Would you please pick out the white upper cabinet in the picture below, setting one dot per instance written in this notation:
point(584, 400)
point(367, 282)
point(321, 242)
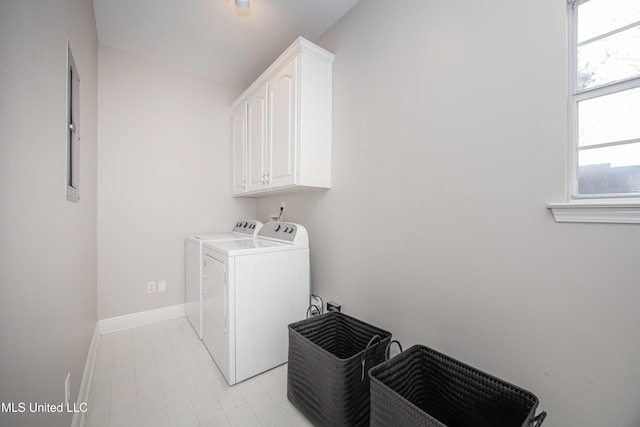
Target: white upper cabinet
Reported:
point(281, 125)
point(239, 147)
point(256, 139)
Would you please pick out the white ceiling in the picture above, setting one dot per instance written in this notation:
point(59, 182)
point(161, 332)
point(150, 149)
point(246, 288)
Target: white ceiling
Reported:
point(214, 38)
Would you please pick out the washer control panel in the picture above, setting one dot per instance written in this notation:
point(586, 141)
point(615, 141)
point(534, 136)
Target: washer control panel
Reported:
point(285, 231)
point(249, 227)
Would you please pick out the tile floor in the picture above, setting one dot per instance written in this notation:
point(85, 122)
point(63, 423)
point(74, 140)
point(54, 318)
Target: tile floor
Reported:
point(162, 375)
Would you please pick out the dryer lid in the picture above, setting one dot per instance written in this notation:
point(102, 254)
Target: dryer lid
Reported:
point(250, 246)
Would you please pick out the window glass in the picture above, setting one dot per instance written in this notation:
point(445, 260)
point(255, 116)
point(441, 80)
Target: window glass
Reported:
point(609, 59)
point(602, 16)
point(610, 170)
point(609, 118)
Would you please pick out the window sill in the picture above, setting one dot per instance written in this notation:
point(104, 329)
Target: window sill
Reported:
point(597, 212)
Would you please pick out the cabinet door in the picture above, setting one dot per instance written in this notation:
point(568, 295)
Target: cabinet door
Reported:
point(282, 143)
point(239, 148)
point(215, 309)
point(256, 138)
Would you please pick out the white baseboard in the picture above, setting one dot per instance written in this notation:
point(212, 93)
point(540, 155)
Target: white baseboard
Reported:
point(134, 320)
point(85, 385)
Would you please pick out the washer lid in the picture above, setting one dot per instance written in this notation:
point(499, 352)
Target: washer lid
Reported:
point(214, 237)
point(250, 246)
point(243, 229)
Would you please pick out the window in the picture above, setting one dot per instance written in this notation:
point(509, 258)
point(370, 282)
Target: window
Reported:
point(73, 129)
point(604, 43)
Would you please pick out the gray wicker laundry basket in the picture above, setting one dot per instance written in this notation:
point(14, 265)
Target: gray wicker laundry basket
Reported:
point(329, 356)
point(422, 387)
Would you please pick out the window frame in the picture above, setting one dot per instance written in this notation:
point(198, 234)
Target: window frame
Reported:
point(586, 94)
point(73, 129)
point(596, 208)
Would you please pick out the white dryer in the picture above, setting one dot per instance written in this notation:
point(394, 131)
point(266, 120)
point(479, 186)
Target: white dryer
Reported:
point(193, 266)
point(253, 289)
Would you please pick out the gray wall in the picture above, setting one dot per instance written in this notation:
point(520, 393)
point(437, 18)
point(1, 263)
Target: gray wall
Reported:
point(47, 245)
point(449, 138)
point(164, 171)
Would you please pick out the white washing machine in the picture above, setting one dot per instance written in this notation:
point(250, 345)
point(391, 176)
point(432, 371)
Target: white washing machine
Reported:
point(253, 289)
point(193, 266)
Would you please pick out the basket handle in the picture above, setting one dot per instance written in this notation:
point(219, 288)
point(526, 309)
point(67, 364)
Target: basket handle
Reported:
point(537, 421)
point(311, 308)
point(373, 338)
point(386, 352)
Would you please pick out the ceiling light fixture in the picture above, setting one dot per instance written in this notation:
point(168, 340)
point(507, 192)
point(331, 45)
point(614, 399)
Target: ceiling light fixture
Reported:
point(244, 4)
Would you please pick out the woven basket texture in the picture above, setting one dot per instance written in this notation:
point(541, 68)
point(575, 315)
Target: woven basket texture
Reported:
point(324, 373)
point(422, 387)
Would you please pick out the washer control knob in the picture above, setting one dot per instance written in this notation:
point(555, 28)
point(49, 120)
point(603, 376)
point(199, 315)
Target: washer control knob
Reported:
point(278, 228)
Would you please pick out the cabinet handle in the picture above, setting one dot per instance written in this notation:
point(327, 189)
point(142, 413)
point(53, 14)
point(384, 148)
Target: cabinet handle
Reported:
point(205, 287)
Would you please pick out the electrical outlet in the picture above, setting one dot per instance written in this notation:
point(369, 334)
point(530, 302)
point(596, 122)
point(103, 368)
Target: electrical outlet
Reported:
point(333, 306)
point(162, 286)
point(151, 287)
point(283, 205)
point(67, 389)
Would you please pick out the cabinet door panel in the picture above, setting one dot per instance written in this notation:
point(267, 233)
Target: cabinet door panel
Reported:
point(239, 147)
point(283, 127)
point(256, 139)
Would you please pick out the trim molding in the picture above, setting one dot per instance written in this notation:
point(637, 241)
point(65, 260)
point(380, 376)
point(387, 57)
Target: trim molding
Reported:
point(85, 385)
point(597, 212)
point(300, 45)
point(142, 318)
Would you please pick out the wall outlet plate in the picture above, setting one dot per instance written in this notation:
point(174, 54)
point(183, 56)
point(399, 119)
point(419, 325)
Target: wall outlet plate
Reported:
point(162, 286)
point(151, 287)
point(333, 306)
